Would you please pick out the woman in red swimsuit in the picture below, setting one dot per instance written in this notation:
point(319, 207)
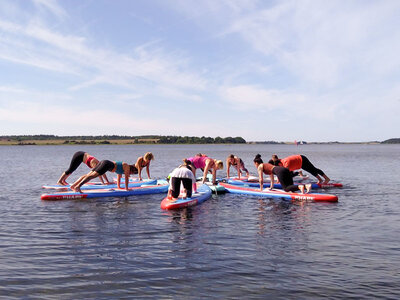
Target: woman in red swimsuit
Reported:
point(283, 174)
point(295, 162)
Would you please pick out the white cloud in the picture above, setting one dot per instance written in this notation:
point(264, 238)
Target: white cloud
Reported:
point(145, 68)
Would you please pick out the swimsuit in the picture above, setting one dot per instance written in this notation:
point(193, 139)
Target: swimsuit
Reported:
point(120, 169)
point(89, 160)
point(199, 162)
point(293, 162)
point(241, 166)
point(104, 166)
point(296, 162)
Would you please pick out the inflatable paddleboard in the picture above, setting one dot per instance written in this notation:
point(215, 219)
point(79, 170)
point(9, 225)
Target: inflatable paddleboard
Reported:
point(278, 185)
point(160, 187)
point(203, 193)
point(237, 189)
point(99, 185)
point(253, 179)
point(216, 188)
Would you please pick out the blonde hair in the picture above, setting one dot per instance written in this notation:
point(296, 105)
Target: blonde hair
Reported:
point(148, 156)
point(219, 164)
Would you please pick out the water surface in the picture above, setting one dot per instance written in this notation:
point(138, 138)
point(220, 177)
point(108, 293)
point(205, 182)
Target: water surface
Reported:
point(231, 246)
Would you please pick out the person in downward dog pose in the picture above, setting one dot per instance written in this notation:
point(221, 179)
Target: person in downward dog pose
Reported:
point(143, 162)
point(275, 160)
point(182, 174)
point(284, 176)
point(119, 167)
point(237, 162)
point(295, 162)
point(78, 158)
point(206, 163)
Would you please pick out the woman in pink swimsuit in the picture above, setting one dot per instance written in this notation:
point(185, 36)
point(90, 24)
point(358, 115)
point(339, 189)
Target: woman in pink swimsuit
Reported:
point(206, 163)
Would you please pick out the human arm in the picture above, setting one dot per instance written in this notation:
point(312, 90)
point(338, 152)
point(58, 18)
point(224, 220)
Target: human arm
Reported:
point(127, 181)
point(214, 176)
point(194, 185)
point(148, 170)
point(261, 176)
point(106, 179)
point(119, 181)
point(207, 167)
point(139, 167)
point(228, 166)
point(272, 177)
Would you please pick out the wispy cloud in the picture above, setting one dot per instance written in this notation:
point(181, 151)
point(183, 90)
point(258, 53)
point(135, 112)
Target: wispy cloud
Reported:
point(71, 54)
point(52, 6)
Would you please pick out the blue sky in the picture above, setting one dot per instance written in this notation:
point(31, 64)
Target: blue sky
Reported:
point(263, 70)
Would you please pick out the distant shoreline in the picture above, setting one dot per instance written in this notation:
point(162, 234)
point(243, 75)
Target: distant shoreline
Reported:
point(151, 142)
point(42, 139)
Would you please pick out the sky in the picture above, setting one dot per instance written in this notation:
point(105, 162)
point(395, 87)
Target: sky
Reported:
point(316, 71)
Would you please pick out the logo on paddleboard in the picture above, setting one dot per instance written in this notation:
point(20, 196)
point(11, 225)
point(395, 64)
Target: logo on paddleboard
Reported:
point(303, 198)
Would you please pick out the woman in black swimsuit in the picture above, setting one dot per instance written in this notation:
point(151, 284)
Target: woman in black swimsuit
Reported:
point(236, 162)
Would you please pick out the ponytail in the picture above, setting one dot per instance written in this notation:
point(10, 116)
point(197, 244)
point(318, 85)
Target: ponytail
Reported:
point(258, 159)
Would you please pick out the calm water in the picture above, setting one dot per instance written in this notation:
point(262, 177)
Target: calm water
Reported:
point(229, 247)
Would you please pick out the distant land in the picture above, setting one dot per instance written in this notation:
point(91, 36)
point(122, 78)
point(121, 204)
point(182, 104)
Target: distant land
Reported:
point(114, 139)
point(43, 139)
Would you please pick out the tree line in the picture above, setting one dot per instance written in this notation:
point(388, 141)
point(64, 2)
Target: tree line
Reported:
point(170, 139)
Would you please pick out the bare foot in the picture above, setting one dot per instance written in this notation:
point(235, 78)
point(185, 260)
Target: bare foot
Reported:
point(327, 179)
point(301, 188)
point(308, 187)
point(62, 183)
point(76, 189)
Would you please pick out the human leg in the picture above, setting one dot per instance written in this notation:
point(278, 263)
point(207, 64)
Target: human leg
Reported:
point(187, 184)
point(309, 167)
point(76, 160)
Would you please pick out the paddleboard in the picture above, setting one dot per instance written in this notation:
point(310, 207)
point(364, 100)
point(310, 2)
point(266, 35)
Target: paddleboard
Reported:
point(252, 178)
point(278, 185)
point(231, 188)
point(203, 193)
point(216, 188)
point(99, 185)
point(160, 187)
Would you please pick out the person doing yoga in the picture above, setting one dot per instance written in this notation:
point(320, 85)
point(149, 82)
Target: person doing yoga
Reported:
point(284, 176)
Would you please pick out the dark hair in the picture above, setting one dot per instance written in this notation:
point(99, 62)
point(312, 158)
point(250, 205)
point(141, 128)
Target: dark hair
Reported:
point(188, 164)
point(274, 156)
point(258, 159)
point(231, 156)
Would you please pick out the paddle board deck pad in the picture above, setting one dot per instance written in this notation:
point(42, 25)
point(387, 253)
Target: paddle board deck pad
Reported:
point(279, 186)
point(99, 185)
point(237, 189)
point(209, 178)
point(160, 187)
point(216, 188)
point(203, 193)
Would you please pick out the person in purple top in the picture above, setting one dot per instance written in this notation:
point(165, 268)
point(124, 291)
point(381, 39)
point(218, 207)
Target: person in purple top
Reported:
point(202, 161)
